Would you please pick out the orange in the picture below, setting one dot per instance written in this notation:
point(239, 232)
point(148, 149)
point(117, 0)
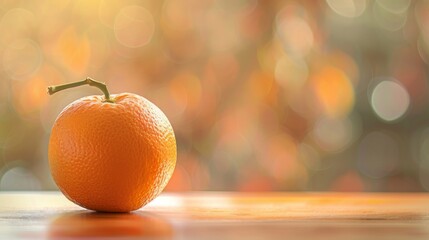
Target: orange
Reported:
point(114, 153)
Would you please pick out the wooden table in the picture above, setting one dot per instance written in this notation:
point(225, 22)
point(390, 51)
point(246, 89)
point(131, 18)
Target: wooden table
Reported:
point(220, 215)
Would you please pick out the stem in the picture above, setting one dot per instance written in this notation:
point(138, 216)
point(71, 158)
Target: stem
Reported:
point(88, 81)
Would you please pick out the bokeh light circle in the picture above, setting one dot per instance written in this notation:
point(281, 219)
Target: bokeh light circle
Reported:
point(291, 73)
point(378, 155)
point(390, 100)
point(347, 8)
point(389, 20)
point(294, 33)
point(22, 58)
point(332, 134)
point(19, 178)
point(134, 26)
point(397, 6)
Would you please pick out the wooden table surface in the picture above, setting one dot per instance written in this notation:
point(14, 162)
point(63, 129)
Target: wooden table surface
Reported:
point(221, 215)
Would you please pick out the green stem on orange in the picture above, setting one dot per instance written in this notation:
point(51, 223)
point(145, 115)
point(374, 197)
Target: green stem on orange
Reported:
point(88, 81)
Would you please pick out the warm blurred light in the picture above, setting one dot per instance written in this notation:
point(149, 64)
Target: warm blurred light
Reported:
point(408, 70)
point(378, 155)
point(86, 10)
point(334, 91)
point(345, 62)
point(17, 23)
point(124, 78)
point(349, 182)
point(192, 169)
point(263, 95)
point(222, 23)
point(134, 26)
point(253, 23)
point(179, 23)
point(232, 146)
point(29, 96)
point(19, 178)
point(101, 48)
point(225, 68)
point(108, 10)
point(179, 16)
point(291, 74)
point(269, 54)
point(294, 32)
point(12, 136)
point(180, 180)
point(260, 86)
point(280, 156)
point(310, 157)
point(185, 91)
point(421, 12)
point(22, 58)
point(388, 19)
point(390, 100)
point(303, 102)
point(233, 131)
point(72, 49)
point(396, 6)
point(253, 180)
point(333, 135)
point(348, 8)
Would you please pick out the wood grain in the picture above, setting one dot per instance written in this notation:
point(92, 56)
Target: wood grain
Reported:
point(220, 215)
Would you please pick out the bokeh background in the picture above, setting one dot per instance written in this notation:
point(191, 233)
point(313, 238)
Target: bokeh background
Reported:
point(264, 95)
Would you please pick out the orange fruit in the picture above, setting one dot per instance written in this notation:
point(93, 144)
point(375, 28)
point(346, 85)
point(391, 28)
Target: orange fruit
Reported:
point(112, 154)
